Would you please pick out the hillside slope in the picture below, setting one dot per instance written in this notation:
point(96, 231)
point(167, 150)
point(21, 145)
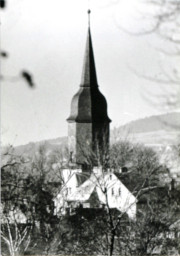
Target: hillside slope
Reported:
point(161, 129)
point(167, 122)
point(32, 147)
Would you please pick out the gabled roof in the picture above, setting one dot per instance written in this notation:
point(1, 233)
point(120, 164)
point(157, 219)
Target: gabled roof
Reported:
point(124, 178)
point(91, 191)
point(84, 192)
point(82, 177)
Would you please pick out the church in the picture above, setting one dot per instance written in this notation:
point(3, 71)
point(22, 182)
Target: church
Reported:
point(88, 180)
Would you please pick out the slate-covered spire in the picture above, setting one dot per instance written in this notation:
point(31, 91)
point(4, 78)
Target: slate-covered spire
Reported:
point(88, 104)
point(89, 77)
point(88, 123)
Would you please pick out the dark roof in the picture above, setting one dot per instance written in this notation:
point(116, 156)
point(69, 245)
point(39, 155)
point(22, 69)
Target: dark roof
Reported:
point(82, 177)
point(134, 184)
point(124, 178)
point(88, 104)
point(89, 70)
point(84, 191)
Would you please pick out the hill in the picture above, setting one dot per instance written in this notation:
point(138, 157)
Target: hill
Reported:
point(161, 129)
point(32, 147)
point(167, 122)
point(155, 130)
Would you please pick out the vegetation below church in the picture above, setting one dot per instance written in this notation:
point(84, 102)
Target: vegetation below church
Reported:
point(29, 185)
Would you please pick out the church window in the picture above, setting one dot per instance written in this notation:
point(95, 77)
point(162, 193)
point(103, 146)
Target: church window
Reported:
point(112, 191)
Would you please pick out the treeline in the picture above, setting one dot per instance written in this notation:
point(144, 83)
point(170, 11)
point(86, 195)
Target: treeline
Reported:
point(29, 225)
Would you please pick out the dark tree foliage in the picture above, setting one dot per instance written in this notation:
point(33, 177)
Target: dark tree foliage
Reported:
point(94, 231)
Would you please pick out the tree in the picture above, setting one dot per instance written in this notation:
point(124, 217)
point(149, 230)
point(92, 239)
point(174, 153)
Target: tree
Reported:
point(28, 207)
point(166, 24)
point(16, 236)
point(15, 228)
point(102, 230)
point(157, 203)
point(142, 178)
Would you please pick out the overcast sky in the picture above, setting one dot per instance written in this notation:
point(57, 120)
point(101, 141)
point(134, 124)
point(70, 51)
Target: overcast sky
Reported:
point(48, 38)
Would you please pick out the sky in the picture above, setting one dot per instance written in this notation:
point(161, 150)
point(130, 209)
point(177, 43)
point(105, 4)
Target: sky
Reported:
point(47, 38)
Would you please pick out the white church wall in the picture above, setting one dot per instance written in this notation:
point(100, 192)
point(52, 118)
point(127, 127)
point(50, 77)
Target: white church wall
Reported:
point(118, 196)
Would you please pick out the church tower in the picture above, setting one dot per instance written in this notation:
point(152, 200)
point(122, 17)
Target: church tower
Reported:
point(88, 123)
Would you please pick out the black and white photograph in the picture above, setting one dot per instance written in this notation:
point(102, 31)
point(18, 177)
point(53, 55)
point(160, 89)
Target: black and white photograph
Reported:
point(90, 127)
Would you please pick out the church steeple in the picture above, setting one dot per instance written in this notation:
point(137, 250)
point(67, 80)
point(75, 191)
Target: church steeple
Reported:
point(89, 77)
point(88, 127)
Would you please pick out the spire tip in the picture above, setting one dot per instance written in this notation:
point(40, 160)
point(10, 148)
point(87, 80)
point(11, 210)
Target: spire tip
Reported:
point(89, 11)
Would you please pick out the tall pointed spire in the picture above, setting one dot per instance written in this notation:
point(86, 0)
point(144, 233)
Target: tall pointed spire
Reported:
point(89, 78)
point(88, 123)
